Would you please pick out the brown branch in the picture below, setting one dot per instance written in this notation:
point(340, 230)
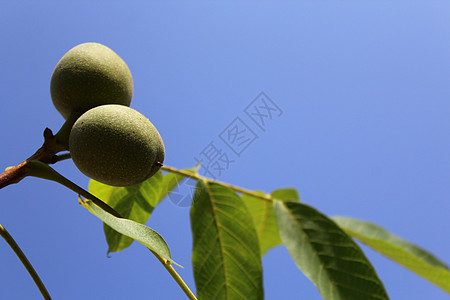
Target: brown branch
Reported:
point(46, 154)
point(13, 174)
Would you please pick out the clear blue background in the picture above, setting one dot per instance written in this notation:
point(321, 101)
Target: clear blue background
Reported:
point(365, 91)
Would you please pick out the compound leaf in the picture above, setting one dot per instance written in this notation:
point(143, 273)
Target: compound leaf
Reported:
point(326, 254)
point(406, 254)
point(226, 256)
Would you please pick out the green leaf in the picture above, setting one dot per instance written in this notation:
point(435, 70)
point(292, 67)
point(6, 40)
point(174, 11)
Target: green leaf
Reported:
point(133, 202)
point(141, 233)
point(406, 254)
point(264, 218)
point(326, 254)
point(171, 180)
point(225, 256)
point(287, 194)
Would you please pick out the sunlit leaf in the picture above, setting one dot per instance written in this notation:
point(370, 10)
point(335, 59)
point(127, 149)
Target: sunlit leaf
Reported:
point(171, 180)
point(226, 257)
point(133, 202)
point(264, 218)
point(326, 254)
point(408, 255)
point(287, 194)
point(139, 232)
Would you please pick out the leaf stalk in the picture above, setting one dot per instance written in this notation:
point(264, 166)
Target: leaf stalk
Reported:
point(195, 175)
point(26, 263)
point(175, 276)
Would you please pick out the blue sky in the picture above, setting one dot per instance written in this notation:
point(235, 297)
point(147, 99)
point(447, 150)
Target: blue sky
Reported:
point(363, 86)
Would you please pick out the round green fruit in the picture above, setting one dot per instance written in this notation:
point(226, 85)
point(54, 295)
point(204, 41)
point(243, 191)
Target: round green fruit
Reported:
point(116, 145)
point(87, 76)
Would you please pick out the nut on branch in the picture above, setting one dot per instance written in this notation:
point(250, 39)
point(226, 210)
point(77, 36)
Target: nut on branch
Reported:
point(87, 76)
point(116, 145)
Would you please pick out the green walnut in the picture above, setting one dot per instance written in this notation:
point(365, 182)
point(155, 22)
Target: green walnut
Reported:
point(87, 76)
point(116, 145)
